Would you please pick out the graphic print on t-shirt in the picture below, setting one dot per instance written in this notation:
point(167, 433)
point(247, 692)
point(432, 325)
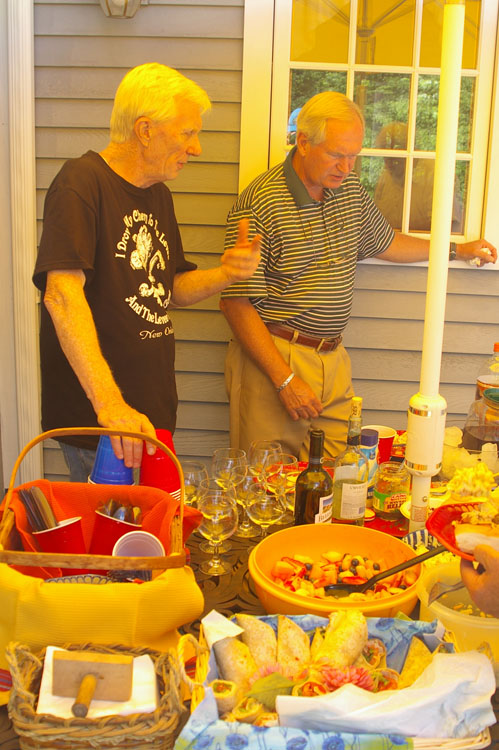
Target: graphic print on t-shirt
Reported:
point(148, 260)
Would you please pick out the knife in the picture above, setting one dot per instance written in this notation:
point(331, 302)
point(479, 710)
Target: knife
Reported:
point(32, 513)
point(44, 507)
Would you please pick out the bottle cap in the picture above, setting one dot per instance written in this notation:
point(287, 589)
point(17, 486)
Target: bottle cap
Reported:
point(369, 437)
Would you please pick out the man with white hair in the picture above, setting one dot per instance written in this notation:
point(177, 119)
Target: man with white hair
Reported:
point(110, 264)
point(286, 368)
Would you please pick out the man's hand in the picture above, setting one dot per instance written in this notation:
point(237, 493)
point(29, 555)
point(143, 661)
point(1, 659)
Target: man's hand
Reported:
point(482, 250)
point(241, 261)
point(300, 400)
point(483, 587)
point(119, 416)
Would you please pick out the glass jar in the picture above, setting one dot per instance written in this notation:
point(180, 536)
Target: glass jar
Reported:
point(482, 423)
point(392, 487)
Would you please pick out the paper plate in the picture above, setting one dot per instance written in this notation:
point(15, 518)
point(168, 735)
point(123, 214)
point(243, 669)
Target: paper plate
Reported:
point(441, 525)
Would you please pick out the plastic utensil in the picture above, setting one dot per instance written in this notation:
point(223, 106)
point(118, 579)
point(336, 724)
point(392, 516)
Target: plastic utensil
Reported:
point(439, 589)
point(349, 588)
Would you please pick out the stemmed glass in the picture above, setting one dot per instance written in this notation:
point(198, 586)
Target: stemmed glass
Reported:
point(262, 454)
point(245, 529)
point(281, 479)
point(194, 473)
point(220, 516)
point(207, 486)
point(229, 466)
point(264, 508)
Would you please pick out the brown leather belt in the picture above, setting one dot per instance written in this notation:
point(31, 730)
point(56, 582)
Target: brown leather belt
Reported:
point(320, 345)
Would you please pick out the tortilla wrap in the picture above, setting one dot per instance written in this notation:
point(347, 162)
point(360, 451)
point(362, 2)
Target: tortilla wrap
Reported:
point(373, 654)
point(235, 662)
point(344, 640)
point(248, 710)
point(293, 646)
point(260, 639)
point(317, 641)
point(226, 695)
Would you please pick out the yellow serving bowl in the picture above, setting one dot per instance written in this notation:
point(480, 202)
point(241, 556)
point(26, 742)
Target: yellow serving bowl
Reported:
point(314, 539)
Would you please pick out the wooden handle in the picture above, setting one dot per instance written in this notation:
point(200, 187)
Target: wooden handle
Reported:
point(85, 694)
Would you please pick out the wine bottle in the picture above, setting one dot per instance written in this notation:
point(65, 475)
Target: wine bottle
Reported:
point(314, 486)
point(351, 472)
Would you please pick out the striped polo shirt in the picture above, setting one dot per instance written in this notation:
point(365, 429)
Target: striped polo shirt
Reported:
point(309, 249)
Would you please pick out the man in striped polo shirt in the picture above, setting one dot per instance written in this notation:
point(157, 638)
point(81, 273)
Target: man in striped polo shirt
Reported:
point(286, 368)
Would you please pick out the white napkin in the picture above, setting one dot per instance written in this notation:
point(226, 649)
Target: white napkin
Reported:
point(451, 698)
point(217, 626)
point(143, 699)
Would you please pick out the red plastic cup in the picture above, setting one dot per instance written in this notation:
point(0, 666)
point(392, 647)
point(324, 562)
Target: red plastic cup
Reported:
point(66, 538)
point(385, 441)
point(107, 531)
point(159, 470)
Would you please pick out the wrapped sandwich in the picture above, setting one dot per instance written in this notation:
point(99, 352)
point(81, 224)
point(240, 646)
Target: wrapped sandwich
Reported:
point(235, 662)
point(226, 695)
point(260, 639)
point(344, 639)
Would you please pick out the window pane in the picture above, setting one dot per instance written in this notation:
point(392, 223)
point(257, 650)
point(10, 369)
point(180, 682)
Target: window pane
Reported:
point(389, 189)
point(304, 84)
point(431, 33)
point(383, 98)
point(385, 31)
point(422, 197)
point(427, 113)
point(319, 31)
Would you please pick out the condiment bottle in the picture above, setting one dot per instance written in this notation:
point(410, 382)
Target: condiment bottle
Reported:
point(391, 489)
point(488, 374)
point(369, 447)
point(313, 493)
point(350, 474)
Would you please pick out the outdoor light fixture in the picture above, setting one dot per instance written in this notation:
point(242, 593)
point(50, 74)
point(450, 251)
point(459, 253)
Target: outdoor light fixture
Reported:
point(120, 8)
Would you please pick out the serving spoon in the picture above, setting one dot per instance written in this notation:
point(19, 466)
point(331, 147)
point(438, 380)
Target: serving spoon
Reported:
point(345, 588)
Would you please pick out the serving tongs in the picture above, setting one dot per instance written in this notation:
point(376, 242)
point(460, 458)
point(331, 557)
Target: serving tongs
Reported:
point(344, 588)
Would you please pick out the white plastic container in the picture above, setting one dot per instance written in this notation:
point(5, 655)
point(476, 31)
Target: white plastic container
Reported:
point(470, 631)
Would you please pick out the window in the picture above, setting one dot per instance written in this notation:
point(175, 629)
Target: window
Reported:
point(385, 55)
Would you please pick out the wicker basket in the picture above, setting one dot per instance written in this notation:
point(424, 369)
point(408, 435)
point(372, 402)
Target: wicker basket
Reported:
point(142, 731)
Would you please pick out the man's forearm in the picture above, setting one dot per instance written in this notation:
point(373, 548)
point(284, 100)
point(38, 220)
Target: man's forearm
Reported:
point(66, 303)
point(254, 337)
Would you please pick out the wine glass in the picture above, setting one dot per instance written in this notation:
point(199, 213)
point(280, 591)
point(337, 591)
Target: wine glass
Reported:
point(281, 479)
point(262, 453)
point(264, 508)
point(211, 485)
point(245, 529)
point(194, 472)
point(229, 466)
point(220, 516)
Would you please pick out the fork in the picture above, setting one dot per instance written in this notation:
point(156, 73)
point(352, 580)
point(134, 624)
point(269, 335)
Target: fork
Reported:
point(439, 589)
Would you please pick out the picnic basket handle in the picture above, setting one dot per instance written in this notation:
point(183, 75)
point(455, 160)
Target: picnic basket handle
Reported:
point(189, 642)
point(175, 559)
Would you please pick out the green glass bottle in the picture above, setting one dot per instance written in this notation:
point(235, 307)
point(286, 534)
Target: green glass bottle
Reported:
point(314, 486)
point(350, 474)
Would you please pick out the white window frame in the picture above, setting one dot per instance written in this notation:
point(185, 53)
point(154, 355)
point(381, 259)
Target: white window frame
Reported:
point(266, 71)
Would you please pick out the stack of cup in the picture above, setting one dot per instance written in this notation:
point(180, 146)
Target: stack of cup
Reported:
point(107, 468)
point(158, 470)
point(139, 544)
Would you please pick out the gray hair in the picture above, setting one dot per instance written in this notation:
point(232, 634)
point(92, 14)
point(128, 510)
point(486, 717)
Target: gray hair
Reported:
point(151, 90)
point(328, 105)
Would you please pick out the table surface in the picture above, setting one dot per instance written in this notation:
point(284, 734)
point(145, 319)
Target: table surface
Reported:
point(227, 594)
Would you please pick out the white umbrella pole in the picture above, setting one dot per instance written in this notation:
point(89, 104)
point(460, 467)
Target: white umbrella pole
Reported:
point(427, 409)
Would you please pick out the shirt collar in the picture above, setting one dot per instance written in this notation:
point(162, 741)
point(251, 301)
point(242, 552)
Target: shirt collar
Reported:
point(296, 187)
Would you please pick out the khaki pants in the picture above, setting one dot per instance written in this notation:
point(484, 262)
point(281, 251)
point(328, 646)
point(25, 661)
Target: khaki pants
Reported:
point(256, 411)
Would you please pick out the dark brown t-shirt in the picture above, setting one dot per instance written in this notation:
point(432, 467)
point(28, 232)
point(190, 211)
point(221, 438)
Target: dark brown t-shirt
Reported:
point(127, 242)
